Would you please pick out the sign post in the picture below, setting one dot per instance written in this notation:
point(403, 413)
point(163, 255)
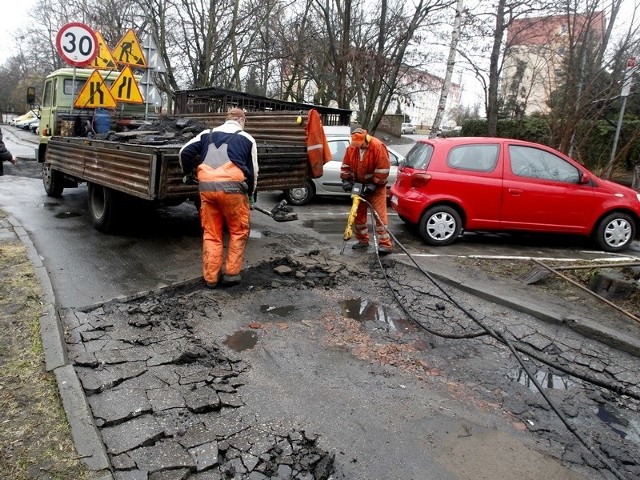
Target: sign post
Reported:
point(626, 89)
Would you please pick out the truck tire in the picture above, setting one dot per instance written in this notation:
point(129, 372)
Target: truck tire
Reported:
point(103, 207)
point(52, 180)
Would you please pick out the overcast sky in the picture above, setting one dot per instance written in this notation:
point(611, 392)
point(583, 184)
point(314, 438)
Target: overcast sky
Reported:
point(13, 16)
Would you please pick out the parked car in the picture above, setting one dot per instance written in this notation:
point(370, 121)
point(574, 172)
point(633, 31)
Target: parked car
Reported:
point(409, 128)
point(20, 120)
point(31, 125)
point(329, 183)
point(450, 185)
point(34, 125)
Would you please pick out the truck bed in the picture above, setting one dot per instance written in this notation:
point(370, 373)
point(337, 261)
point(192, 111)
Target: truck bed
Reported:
point(152, 172)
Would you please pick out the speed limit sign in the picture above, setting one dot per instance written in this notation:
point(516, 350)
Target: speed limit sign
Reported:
point(77, 44)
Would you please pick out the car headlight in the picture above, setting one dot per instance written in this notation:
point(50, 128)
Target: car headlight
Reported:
point(638, 196)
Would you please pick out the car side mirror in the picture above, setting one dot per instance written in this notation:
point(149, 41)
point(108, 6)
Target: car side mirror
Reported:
point(584, 179)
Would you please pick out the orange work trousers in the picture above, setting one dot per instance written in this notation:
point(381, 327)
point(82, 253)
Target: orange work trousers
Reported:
point(378, 201)
point(217, 210)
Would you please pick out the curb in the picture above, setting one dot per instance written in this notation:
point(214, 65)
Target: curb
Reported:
point(86, 438)
point(584, 326)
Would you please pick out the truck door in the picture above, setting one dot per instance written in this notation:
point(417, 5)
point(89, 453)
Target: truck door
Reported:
point(47, 108)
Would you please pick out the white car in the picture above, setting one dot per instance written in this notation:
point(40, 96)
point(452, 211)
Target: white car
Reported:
point(408, 128)
point(329, 184)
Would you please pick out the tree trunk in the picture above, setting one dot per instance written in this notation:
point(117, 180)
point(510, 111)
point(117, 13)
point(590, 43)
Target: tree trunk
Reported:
point(494, 73)
point(451, 62)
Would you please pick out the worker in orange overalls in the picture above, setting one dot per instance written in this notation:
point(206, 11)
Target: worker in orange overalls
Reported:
point(226, 159)
point(366, 161)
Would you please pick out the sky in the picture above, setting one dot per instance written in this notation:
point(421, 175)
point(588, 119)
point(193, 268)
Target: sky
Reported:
point(14, 15)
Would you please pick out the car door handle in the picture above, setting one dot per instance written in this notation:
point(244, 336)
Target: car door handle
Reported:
point(516, 192)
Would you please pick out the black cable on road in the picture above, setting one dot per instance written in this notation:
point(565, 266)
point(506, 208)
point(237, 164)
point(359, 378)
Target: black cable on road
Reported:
point(486, 330)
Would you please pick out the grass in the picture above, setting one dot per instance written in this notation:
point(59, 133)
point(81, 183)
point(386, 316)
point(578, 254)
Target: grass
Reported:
point(35, 441)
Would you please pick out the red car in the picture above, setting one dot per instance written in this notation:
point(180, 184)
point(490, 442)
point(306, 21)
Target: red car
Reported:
point(449, 185)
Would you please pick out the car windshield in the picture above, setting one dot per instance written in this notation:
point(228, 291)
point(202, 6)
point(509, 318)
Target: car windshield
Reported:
point(419, 156)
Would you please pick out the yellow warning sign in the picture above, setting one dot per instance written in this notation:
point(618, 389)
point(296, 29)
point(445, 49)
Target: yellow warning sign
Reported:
point(104, 59)
point(129, 52)
point(95, 93)
point(125, 88)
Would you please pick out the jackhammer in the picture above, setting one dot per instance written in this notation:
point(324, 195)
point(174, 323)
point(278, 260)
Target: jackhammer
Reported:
point(355, 202)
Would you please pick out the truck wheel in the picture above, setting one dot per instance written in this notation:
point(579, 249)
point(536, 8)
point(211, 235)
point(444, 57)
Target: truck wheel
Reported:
point(103, 207)
point(615, 232)
point(53, 181)
point(300, 195)
point(440, 225)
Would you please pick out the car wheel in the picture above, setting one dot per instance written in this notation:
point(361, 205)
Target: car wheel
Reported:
point(615, 232)
point(440, 225)
point(300, 195)
point(53, 181)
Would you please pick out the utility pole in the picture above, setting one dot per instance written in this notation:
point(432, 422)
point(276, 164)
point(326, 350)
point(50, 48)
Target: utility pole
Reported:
point(451, 63)
point(626, 88)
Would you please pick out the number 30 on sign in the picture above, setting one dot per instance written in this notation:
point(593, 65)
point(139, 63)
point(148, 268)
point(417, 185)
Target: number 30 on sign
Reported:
point(77, 44)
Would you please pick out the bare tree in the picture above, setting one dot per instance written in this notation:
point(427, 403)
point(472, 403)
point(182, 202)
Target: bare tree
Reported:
point(451, 62)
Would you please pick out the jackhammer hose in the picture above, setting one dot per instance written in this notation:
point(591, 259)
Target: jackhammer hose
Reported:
point(515, 351)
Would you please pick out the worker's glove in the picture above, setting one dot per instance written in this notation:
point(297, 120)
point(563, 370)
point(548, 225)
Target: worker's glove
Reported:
point(252, 202)
point(347, 186)
point(369, 188)
point(189, 180)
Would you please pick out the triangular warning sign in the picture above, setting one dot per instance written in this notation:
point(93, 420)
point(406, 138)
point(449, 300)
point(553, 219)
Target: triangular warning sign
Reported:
point(125, 88)
point(95, 93)
point(104, 59)
point(129, 52)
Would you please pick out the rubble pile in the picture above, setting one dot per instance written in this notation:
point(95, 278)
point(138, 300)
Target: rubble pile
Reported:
point(168, 406)
point(164, 131)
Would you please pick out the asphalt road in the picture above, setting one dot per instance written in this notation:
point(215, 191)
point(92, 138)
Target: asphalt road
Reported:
point(162, 247)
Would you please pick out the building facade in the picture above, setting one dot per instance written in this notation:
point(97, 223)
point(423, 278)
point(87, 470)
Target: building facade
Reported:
point(536, 54)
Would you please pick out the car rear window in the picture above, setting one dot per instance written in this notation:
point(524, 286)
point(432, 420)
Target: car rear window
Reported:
point(479, 158)
point(419, 156)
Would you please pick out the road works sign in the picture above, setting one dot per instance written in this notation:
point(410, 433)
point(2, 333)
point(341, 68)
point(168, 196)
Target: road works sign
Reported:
point(125, 88)
point(77, 44)
point(104, 60)
point(95, 93)
point(129, 52)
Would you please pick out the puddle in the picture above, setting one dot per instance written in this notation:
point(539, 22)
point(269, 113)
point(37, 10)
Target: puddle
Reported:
point(283, 311)
point(67, 215)
point(627, 429)
point(365, 311)
point(242, 340)
point(546, 379)
point(50, 204)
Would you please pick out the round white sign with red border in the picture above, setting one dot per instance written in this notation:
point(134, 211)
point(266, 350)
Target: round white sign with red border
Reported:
point(77, 44)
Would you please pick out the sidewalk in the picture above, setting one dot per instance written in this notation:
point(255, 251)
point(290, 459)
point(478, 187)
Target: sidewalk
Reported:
point(603, 323)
